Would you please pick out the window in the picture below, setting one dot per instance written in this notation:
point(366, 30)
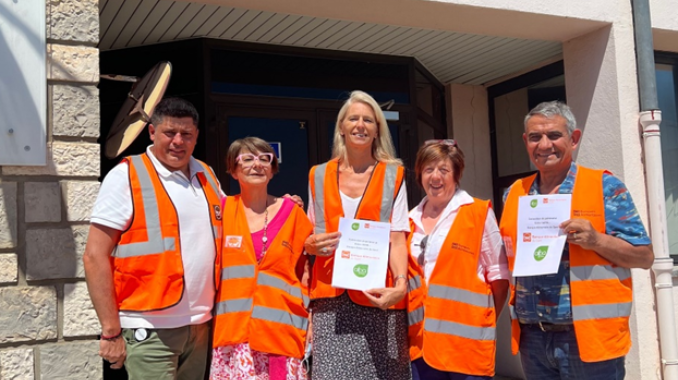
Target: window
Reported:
point(509, 102)
point(667, 88)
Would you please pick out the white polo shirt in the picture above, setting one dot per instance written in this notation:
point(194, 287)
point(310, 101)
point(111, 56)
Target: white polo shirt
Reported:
point(114, 209)
point(492, 263)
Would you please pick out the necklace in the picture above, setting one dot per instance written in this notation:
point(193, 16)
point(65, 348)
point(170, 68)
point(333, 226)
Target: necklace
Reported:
point(264, 239)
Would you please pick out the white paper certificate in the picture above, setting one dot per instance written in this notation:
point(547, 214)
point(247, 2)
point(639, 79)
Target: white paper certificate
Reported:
point(361, 258)
point(540, 240)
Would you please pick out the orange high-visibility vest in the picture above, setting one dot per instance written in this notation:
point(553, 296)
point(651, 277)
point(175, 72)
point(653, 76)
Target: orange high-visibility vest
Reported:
point(376, 204)
point(600, 292)
point(148, 271)
point(459, 317)
point(416, 298)
point(261, 303)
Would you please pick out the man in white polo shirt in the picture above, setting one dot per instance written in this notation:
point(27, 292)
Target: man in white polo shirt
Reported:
point(154, 235)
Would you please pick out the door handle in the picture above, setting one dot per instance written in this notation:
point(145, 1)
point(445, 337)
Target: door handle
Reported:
point(302, 125)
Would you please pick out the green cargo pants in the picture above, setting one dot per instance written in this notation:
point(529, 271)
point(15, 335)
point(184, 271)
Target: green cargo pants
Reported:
point(167, 354)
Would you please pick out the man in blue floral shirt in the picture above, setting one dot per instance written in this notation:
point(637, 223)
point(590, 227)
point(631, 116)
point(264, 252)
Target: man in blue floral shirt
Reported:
point(589, 340)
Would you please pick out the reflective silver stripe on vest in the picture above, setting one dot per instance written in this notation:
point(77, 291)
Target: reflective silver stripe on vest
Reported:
point(415, 316)
point(274, 282)
point(460, 295)
point(458, 329)
point(602, 311)
point(319, 199)
point(512, 313)
point(599, 272)
point(209, 174)
point(387, 197)
point(234, 306)
point(279, 316)
point(155, 244)
point(414, 283)
point(237, 271)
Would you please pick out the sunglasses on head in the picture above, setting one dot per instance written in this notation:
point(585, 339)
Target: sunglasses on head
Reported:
point(448, 142)
point(422, 246)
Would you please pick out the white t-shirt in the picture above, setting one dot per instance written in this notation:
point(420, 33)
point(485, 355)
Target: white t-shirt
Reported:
point(399, 218)
point(492, 263)
point(114, 209)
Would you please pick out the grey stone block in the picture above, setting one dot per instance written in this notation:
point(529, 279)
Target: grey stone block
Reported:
point(80, 197)
point(17, 364)
point(28, 314)
point(75, 111)
point(42, 202)
point(73, 20)
point(64, 159)
point(70, 361)
point(55, 253)
point(9, 270)
point(73, 63)
point(80, 318)
point(8, 215)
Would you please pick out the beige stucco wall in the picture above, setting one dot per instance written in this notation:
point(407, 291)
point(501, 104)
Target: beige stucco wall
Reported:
point(470, 126)
point(48, 327)
point(665, 24)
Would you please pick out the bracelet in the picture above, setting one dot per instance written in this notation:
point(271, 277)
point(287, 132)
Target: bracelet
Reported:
point(112, 337)
point(398, 277)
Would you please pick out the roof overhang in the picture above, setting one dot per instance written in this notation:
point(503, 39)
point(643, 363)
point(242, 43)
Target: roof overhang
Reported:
point(457, 43)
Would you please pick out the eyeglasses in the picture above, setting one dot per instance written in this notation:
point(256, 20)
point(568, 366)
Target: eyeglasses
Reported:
point(448, 142)
point(422, 245)
point(247, 159)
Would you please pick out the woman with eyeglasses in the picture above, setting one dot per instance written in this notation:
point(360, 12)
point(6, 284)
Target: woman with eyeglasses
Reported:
point(260, 317)
point(456, 242)
point(359, 335)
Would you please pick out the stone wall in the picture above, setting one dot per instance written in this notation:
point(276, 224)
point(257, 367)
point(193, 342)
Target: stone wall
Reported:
point(48, 327)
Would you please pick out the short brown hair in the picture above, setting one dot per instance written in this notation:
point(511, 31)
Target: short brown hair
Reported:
point(435, 150)
point(252, 144)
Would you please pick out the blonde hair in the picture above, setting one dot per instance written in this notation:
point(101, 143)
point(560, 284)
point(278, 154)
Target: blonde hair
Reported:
point(382, 147)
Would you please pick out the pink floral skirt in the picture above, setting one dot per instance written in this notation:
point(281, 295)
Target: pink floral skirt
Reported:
point(239, 362)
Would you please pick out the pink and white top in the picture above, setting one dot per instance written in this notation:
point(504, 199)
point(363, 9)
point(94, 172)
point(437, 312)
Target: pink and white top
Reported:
point(239, 362)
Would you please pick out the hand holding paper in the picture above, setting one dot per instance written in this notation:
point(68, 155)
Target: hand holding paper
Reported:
point(540, 239)
point(361, 258)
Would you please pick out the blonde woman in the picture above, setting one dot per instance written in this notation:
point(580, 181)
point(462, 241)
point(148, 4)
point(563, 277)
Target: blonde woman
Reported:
point(359, 335)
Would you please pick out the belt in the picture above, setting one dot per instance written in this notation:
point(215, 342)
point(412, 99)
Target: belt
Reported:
point(548, 327)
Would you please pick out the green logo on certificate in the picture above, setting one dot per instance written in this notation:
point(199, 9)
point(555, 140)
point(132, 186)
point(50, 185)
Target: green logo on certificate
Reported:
point(355, 226)
point(534, 203)
point(540, 252)
point(360, 270)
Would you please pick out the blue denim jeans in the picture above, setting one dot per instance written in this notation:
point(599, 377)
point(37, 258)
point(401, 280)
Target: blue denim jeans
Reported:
point(423, 371)
point(555, 355)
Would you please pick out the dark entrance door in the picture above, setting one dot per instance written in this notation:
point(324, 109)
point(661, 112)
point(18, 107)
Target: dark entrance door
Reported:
point(292, 133)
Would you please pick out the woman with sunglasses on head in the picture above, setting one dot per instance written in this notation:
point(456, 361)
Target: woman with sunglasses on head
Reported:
point(359, 335)
point(456, 242)
point(260, 315)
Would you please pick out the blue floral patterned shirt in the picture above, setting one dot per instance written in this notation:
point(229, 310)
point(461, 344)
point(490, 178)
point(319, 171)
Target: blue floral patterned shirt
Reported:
point(547, 298)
